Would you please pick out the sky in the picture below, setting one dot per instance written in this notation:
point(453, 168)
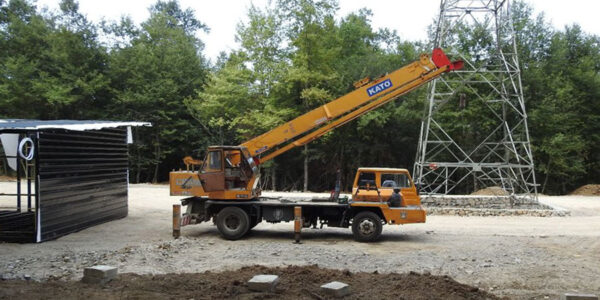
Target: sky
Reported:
point(409, 18)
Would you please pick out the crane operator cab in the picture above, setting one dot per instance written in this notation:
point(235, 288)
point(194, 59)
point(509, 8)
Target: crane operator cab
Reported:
point(227, 172)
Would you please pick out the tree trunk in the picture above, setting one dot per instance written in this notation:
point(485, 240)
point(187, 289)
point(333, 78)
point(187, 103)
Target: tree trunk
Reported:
point(547, 175)
point(273, 177)
point(341, 168)
point(157, 158)
point(138, 172)
point(306, 167)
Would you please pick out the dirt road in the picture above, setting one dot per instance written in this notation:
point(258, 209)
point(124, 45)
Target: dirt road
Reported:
point(518, 257)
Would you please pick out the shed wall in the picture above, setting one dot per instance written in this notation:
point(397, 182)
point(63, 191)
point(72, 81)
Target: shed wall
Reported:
point(82, 179)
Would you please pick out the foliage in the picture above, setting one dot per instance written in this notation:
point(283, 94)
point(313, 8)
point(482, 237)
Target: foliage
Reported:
point(152, 76)
point(51, 63)
point(564, 108)
point(294, 56)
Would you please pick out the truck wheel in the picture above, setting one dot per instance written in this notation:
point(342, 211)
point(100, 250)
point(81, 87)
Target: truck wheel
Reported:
point(233, 222)
point(366, 226)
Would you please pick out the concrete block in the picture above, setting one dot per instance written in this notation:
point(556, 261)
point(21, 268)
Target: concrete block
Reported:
point(569, 296)
point(336, 289)
point(99, 274)
point(95, 280)
point(263, 283)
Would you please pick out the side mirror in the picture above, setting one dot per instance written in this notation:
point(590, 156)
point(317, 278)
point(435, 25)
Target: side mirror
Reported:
point(418, 188)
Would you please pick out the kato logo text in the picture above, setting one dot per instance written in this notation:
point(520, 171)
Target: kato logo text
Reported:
point(378, 88)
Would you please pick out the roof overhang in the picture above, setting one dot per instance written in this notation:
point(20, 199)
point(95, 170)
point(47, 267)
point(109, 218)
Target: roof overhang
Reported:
point(77, 125)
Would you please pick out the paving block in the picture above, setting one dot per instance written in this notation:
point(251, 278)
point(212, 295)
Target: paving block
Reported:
point(99, 274)
point(569, 296)
point(263, 283)
point(336, 289)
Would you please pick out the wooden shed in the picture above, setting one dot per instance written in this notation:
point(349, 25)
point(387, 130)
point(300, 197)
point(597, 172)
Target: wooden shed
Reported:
point(70, 175)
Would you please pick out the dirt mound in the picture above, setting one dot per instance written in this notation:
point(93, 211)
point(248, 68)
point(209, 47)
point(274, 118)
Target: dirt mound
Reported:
point(295, 283)
point(587, 190)
point(491, 191)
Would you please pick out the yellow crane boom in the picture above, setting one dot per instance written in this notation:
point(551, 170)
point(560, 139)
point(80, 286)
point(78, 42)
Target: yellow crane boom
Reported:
point(365, 98)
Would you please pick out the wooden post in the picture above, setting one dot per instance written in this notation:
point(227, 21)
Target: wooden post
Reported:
point(176, 220)
point(297, 223)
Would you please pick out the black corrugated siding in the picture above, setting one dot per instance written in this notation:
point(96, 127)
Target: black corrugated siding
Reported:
point(17, 227)
point(83, 179)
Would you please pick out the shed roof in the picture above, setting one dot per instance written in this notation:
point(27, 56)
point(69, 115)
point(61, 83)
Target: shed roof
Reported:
point(78, 125)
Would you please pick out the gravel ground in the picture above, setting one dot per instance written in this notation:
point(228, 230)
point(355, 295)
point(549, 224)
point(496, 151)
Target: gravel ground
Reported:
point(516, 257)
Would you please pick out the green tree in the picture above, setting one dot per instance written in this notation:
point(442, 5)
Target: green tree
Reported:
point(310, 28)
point(152, 76)
point(294, 56)
point(52, 63)
point(565, 116)
point(261, 40)
point(239, 100)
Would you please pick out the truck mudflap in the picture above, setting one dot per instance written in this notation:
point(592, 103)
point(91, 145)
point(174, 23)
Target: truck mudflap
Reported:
point(195, 212)
point(186, 219)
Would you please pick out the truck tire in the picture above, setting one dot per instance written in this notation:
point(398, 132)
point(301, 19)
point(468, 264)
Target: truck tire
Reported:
point(233, 222)
point(366, 226)
point(253, 223)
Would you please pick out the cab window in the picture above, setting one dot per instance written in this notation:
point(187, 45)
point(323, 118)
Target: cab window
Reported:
point(366, 179)
point(213, 162)
point(397, 180)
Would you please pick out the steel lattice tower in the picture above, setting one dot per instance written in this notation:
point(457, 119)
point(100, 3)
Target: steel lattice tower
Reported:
point(493, 150)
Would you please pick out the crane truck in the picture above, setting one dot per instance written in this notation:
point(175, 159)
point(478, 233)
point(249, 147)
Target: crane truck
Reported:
point(224, 186)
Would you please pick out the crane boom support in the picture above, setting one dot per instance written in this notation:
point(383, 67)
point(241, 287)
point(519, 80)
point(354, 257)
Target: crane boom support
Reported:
point(327, 117)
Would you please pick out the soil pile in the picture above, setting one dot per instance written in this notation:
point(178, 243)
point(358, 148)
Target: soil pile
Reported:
point(491, 191)
point(296, 282)
point(587, 190)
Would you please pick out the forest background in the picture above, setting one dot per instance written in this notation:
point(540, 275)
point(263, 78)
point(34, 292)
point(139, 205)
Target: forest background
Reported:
point(294, 55)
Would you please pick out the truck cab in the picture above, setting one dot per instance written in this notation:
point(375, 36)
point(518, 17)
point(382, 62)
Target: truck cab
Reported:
point(373, 188)
point(378, 185)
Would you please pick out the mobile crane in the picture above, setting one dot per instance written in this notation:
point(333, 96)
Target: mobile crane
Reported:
point(225, 186)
